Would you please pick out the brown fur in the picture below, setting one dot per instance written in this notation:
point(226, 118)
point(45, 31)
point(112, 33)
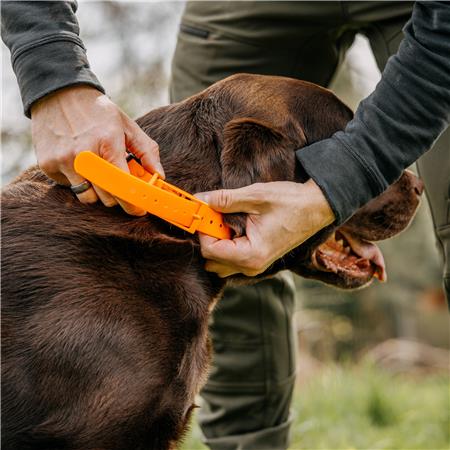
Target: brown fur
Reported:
point(105, 316)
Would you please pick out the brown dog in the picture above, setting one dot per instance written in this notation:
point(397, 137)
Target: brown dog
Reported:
point(105, 316)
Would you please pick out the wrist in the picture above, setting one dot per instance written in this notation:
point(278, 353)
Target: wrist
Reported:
point(319, 208)
point(69, 94)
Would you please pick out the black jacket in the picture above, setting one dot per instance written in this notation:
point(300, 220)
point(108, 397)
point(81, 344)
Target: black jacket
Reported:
point(46, 51)
point(392, 128)
point(396, 124)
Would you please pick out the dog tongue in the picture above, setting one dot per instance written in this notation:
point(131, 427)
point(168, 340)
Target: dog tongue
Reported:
point(369, 251)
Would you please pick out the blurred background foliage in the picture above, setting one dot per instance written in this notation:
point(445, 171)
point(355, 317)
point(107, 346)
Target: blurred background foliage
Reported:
point(374, 364)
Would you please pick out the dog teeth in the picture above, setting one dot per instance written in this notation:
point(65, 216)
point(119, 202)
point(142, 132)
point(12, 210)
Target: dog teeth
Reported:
point(347, 250)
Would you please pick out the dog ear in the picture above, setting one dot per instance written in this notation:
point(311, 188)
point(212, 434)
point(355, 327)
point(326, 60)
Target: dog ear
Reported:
point(254, 152)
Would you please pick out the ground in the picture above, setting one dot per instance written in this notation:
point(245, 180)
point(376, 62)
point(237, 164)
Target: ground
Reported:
point(361, 407)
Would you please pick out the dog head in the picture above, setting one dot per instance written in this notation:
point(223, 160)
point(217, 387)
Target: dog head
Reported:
point(248, 128)
point(347, 256)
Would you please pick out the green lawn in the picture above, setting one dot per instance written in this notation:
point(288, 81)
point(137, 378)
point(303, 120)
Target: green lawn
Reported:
point(364, 408)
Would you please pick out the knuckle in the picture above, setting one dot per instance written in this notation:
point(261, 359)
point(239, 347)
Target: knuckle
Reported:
point(130, 209)
point(60, 162)
point(154, 147)
point(224, 198)
point(109, 151)
point(149, 146)
point(136, 212)
point(151, 155)
point(106, 138)
point(48, 164)
point(205, 252)
point(87, 198)
point(109, 203)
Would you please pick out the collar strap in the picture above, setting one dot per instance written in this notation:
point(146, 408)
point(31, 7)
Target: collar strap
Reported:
point(149, 192)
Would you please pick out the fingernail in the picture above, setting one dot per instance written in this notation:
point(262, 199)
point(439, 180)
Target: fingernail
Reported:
point(160, 170)
point(203, 197)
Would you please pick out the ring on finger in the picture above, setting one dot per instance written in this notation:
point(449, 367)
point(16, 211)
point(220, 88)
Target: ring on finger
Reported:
point(81, 187)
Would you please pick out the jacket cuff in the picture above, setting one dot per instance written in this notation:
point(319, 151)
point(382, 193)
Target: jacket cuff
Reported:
point(53, 65)
point(344, 180)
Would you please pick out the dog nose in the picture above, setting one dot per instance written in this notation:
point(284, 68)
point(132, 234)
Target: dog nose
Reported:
point(416, 182)
point(417, 186)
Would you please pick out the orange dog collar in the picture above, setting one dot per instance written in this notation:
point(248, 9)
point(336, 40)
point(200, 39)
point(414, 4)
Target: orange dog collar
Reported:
point(151, 193)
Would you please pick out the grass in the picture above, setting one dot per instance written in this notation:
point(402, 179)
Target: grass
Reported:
point(364, 408)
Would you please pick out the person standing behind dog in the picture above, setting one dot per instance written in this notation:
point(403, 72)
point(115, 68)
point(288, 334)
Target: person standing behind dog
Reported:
point(409, 109)
point(248, 395)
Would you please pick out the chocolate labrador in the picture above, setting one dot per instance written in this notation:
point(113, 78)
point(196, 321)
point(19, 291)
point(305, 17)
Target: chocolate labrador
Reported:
point(105, 316)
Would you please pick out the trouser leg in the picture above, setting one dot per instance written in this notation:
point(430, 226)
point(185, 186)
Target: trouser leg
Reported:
point(248, 394)
point(433, 167)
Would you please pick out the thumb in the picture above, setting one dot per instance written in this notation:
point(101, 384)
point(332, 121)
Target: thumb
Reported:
point(232, 200)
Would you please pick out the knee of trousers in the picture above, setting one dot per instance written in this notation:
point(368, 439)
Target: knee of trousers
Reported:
point(253, 369)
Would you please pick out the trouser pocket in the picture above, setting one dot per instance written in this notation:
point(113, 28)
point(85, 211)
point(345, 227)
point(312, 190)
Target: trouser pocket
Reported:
point(204, 56)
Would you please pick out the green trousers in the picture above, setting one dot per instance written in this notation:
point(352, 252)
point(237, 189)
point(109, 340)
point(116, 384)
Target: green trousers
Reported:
point(247, 398)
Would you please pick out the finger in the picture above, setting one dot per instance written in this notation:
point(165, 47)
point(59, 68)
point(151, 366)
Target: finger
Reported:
point(246, 199)
point(131, 209)
point(240, 255)
point(113, 150)
point(205, 240)
point(54, 168)
point(222, 270)
point(88, 196)
point(145, 148)
point(61, 169)
point(232, 251)
point(106, 198)
point(208, 246)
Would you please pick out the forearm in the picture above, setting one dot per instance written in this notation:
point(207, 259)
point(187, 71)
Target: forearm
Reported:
point(394, 126)
point(47, 53)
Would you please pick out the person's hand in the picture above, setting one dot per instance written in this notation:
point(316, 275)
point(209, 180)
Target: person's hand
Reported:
point(281, 215)
point(81, 118)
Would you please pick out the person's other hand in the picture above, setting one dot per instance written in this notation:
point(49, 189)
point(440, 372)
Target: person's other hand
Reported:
point(81, 118)
point(281, 215)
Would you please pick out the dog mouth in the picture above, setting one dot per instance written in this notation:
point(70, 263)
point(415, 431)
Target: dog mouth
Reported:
point(349, 256)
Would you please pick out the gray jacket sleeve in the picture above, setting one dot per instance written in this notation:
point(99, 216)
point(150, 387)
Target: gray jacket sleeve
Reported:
point(46, 51)
point(394, 126)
